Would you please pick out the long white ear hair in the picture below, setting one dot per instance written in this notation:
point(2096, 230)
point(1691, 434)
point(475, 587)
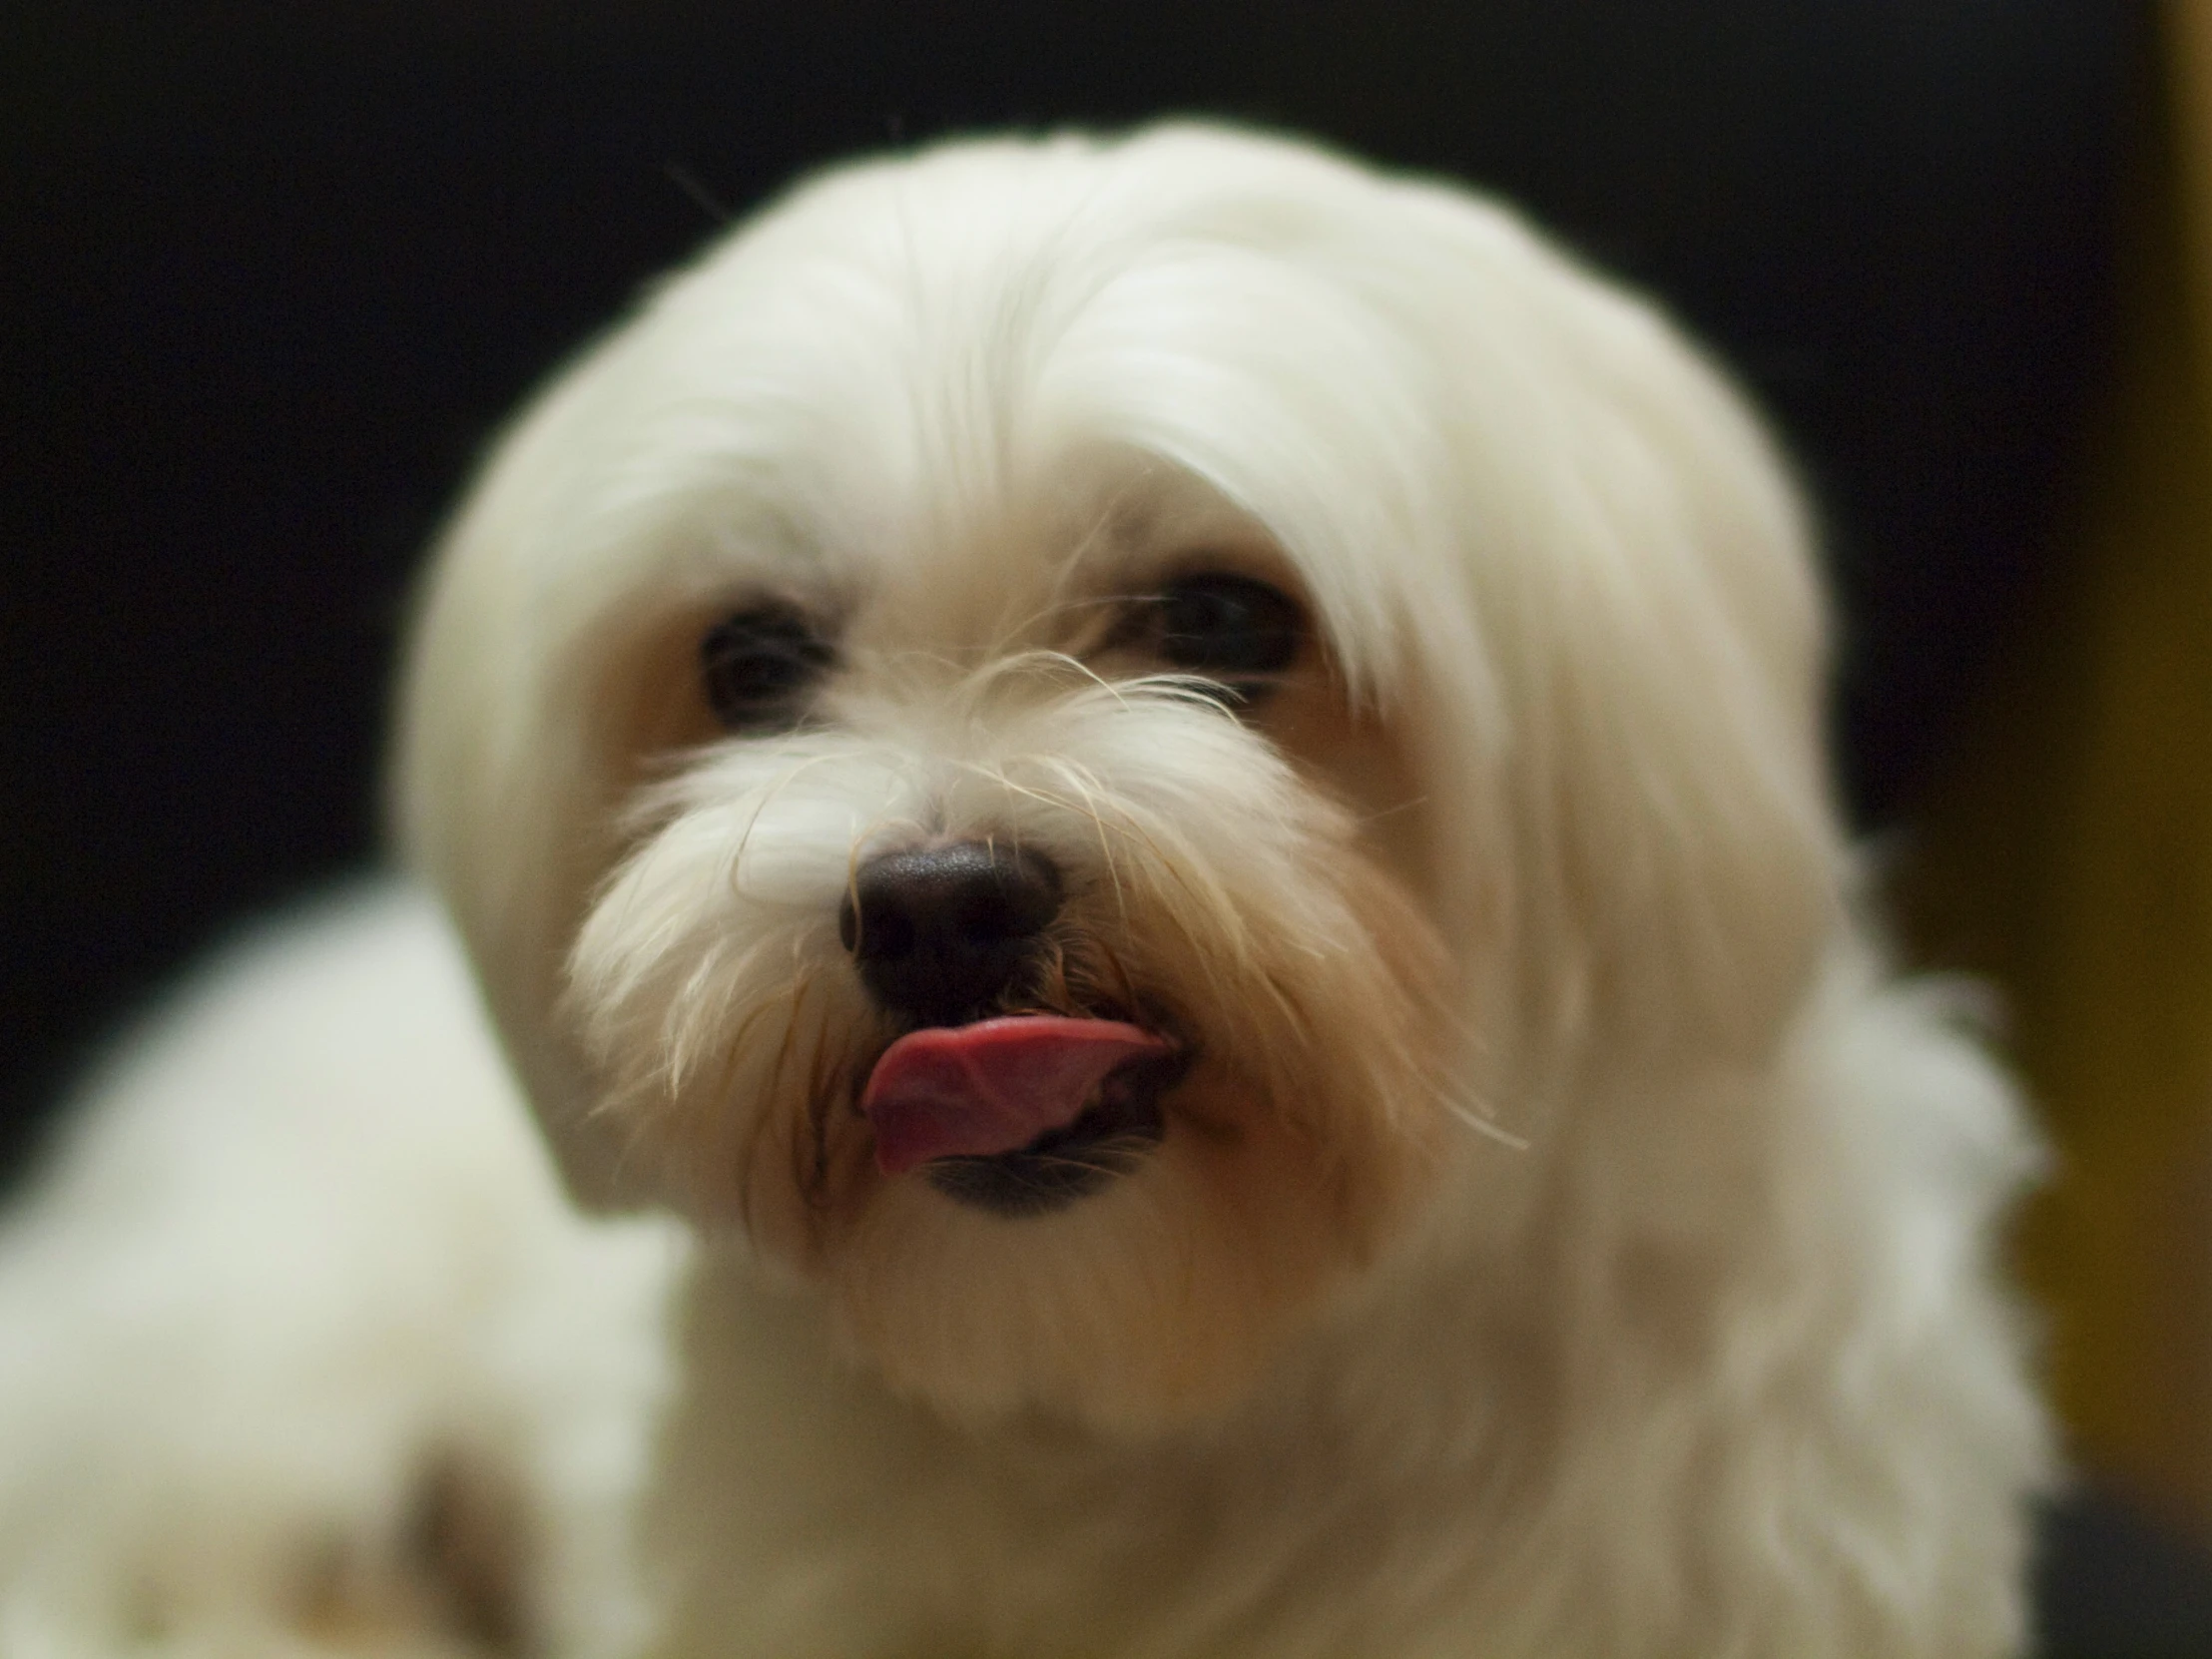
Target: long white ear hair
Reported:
point(1646, 679)
point(516, 719)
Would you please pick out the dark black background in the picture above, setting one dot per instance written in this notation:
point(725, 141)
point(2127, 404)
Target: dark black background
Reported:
point(269, 275)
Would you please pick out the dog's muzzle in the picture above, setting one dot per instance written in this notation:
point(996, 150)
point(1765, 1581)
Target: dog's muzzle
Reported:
point(1019, 1114)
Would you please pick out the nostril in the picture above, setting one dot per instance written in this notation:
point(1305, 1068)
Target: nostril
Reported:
point(989, 917)
point(875, 930)
point(941, 929)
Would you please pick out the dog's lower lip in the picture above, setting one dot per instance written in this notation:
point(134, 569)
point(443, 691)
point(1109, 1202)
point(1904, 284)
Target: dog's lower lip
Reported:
point(996, 1086)
point(1109, 1138)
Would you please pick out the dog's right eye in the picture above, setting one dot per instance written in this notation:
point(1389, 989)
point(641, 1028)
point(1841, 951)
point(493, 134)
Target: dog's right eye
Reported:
point(1230, 627)
point(757, 666)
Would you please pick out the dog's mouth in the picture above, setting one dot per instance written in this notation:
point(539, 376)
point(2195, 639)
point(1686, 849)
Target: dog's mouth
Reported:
point(1023, 1113)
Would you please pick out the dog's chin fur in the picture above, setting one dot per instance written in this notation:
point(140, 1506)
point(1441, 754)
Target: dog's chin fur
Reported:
point(1554, 1235)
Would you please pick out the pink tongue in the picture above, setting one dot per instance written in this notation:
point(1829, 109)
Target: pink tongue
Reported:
point(991, 1087)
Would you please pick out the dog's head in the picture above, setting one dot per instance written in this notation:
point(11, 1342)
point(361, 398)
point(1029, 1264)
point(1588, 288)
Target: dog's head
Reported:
point(1054, 726)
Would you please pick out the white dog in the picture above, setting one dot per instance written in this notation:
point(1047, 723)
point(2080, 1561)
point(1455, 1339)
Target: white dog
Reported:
point(1146, 822)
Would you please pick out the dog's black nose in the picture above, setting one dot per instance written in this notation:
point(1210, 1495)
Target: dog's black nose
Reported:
point(940, 932)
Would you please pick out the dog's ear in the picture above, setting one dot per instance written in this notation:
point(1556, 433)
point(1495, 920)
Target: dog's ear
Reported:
point(1641, 664)
point(502, 793)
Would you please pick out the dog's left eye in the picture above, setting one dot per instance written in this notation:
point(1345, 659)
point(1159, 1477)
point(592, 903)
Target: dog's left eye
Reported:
point(1229, 626)
point(757, 666)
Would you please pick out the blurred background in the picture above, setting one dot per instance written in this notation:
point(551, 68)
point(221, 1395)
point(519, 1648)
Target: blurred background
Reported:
point(271, 275)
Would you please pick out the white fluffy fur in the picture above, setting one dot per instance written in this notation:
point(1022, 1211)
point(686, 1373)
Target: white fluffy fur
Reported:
point(1568, 1243)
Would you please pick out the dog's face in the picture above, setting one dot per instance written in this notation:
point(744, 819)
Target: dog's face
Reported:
point(1053, 728)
